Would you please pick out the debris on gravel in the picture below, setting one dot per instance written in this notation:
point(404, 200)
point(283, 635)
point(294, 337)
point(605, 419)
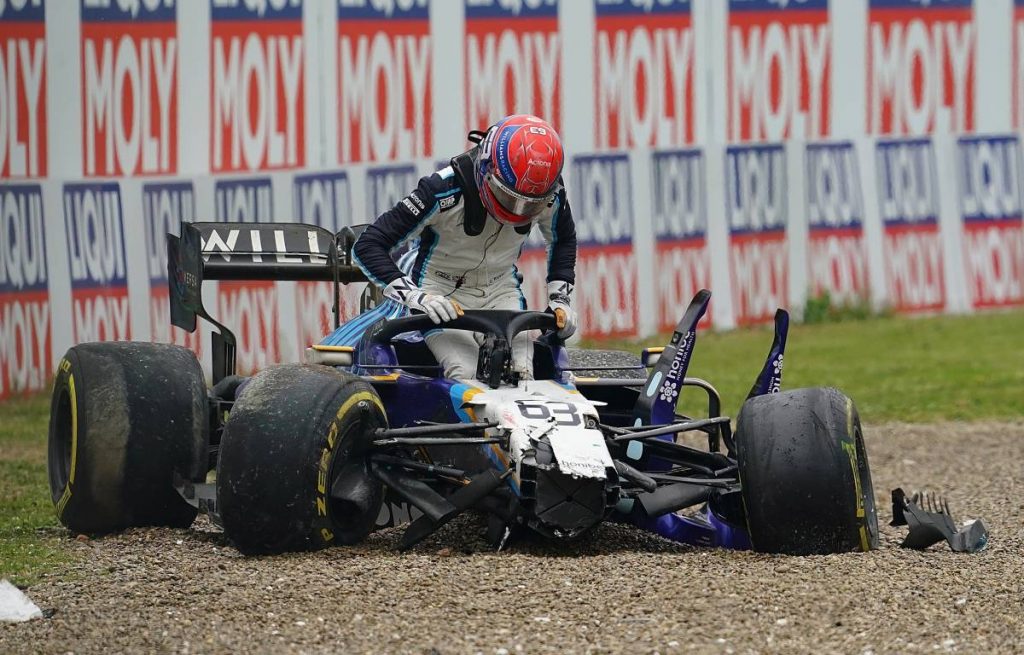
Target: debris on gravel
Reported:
point(621, 591)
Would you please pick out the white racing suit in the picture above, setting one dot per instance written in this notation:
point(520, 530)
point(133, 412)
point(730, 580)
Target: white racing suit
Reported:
point(477, 270)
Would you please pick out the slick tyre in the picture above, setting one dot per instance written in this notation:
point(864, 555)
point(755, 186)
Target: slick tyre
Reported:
point(124, 417)
point(603, 361)
point(806, 484)
point(293, 472)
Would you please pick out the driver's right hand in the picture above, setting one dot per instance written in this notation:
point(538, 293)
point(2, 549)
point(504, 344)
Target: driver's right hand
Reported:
point(439, 308)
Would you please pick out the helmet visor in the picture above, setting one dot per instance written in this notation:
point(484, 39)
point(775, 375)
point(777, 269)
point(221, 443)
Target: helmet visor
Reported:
point(515, 202)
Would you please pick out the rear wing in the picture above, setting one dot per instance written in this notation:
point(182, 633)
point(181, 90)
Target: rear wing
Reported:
point(252, 251)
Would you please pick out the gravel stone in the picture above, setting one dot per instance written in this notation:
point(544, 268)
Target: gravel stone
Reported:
point(623, 591)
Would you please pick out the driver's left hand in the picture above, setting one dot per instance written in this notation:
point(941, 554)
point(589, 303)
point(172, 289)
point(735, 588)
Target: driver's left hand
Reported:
point(560, 304)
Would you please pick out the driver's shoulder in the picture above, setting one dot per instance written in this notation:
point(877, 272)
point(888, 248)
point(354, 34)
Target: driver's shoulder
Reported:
point(443, 187)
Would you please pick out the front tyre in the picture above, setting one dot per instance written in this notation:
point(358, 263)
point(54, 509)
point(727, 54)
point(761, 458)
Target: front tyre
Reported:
point(806, 483)
point(293, 471)
point(124, 417)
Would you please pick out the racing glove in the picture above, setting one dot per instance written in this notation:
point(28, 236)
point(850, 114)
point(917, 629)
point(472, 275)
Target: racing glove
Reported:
point(438, 308)
point(560, 304)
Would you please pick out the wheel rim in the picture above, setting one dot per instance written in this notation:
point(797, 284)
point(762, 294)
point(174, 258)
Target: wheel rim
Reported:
point(353, 487)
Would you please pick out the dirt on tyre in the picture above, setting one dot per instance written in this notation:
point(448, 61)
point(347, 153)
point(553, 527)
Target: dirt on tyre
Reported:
point(806, 483)
point(293, 471)
point(124, 417)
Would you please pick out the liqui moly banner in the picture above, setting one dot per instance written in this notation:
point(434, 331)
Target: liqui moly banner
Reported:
point(23, 142)
point(909, 201)
point(643, 73)
point(385, 187)
point(920, 65)
point(778, 70)
point(257, 96)
point(249, 309)
point(384, 80)
point(165, 206)
point(989, 183)
point(130, 79)
point(756, 213)
point(836, 255)
point(323, 199)
point(94, 234)
point(24, 299)
point(606, 269)
point(513, 56)
point(683, 260)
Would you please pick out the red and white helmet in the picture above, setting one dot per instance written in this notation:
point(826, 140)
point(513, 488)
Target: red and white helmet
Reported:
point(518, 168)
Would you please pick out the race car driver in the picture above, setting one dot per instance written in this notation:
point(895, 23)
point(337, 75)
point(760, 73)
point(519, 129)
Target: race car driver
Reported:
point(471, 219)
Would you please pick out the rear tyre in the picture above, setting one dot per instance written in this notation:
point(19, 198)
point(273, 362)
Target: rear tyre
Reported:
point(124, 417)
point(806, 483)
point(293, 472)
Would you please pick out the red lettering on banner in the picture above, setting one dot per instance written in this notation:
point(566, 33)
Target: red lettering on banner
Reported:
point(100, 314)
point(23, 139)
point(250, 309)
point(515, 68)
point(607, 302)
point(994, 259)
point(644, 75)
point(129, 98)
point(778, 75)
point(314, 306)
point(760, 275)
point(913, 264)
point(837, 264)
point(257, 96)
point(920, 62)
point(160, 321)
point(683, 268)
point(384, 90)
point(24, 342)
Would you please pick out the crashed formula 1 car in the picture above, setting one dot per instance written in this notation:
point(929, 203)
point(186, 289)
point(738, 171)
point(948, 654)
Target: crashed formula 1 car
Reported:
point(303, 456)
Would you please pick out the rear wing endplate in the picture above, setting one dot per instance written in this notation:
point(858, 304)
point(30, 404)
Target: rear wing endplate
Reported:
point(252, 251)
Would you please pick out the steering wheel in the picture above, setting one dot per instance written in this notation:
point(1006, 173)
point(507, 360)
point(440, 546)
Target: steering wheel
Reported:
point(499, 327)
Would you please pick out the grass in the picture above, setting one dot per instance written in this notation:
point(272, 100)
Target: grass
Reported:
point(924, 369)
point(894, 368)
point(29, 538)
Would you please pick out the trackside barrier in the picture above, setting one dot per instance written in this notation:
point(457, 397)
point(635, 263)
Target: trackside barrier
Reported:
point(766, 150)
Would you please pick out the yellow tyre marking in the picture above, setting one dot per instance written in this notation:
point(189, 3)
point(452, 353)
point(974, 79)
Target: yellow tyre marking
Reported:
point(851, 451)
point(66, 496)
point(74, 428)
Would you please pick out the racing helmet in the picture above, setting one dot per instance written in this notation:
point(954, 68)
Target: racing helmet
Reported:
point(518, 168)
